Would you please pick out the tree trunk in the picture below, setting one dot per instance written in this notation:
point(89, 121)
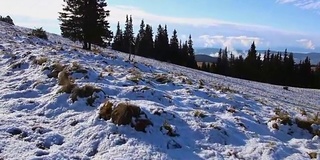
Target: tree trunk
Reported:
point(85, 45)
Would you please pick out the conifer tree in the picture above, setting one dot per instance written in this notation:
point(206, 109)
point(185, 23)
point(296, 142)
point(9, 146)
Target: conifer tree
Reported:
point(162, 44)
point(147, 44)
point(140, 36)
point(85, 21)
point(118, 39)
point(174, 48)
point(128, 38)
point(252, 68)
point(191, 59)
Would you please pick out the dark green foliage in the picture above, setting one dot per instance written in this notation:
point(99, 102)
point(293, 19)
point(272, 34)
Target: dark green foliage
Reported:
point(162, 44)
point(275, 68)
point(40, 33)
point(85, 21)
point(118, 39)
point(128, 37)
point(191, 60)
point(160, 48)
point(174, 48)
point(7, 20)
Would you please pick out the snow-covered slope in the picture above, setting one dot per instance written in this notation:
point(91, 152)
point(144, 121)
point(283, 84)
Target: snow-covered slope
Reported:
point(212, 116)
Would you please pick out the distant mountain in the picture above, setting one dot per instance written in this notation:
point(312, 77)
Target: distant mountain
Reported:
point(205, 58)
point(315, 57)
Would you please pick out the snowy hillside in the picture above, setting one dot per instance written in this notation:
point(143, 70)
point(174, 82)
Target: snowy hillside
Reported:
point(185, 113)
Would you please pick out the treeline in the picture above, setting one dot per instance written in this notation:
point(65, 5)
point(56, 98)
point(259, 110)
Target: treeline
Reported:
point(6, 19)
point(161, 48)
point(275, 68)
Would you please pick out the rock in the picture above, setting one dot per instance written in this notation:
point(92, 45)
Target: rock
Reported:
point(73, 123)
point(40, 130)
point(142, 124)
point(41, 153)
point(14, 131)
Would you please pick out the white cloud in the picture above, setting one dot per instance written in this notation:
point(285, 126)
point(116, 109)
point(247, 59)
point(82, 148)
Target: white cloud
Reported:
point(308, 44)
point(36, 13)
point(229, 41)
point(39, 9)
point(33, 13)
point(118, 13)
point(285, 1)
point(304, 4)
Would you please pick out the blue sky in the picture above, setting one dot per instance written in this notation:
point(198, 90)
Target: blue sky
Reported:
point(274, 24)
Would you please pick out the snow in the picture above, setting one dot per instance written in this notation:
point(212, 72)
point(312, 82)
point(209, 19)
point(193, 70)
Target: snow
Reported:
point(38, 122)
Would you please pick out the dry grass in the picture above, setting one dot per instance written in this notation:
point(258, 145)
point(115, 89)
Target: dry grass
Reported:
point(201, 83)
point(142, 124)
point(231, 110)
point(187, 81)
point(91, 100)
point(100, 75)
point(223, 89)
point(275, 126)
point(16, 65)
point(170, 131)
point(124, 112)
point(313, 155)
point(135, 78)
point(162, 78)
point(277, 110)
point(282, 116)
point(157, 111)
point(135, 75)
point(106, 111)
point(96, 50)
point(55, 69)
point(76, 67)
point(308, 123)
point(67, 88)
point(109, 69)
point(304, 124)
point(83, 92)
point(57, 66)
point(199, 114)
point(40, 61)
point(64, 78)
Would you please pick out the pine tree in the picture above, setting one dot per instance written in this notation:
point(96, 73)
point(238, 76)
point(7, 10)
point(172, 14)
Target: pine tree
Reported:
point(118, 39)
point(252, 64)
point(128, 38)
point(147, 44)
point(184, 54)
point(162, 44)
point(191, 59)
point(85, 21)
point(174, 48)
point(219, 63)
point(305, 74)
point(140, 36)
